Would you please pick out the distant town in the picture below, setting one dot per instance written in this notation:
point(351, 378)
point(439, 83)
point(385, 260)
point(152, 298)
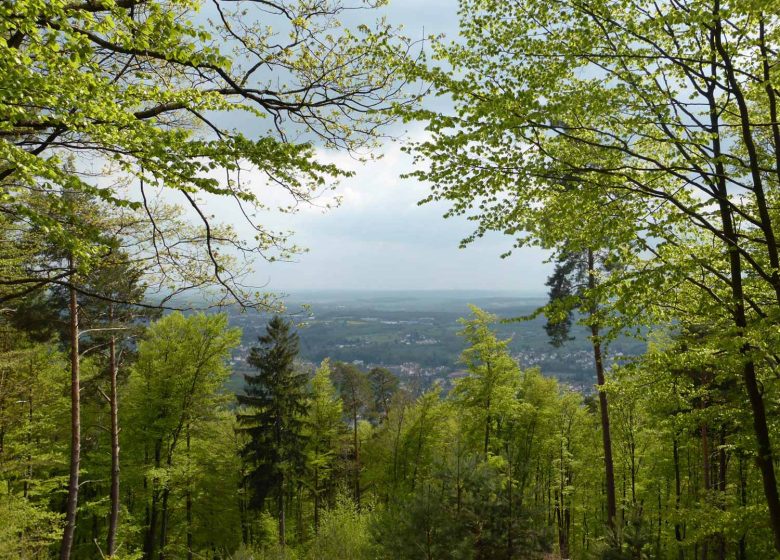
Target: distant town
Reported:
point(415, 335)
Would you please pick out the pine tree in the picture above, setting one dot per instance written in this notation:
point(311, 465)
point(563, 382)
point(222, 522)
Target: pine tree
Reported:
point(276, 399)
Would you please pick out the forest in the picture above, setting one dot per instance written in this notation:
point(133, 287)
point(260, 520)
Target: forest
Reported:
point(150, 150)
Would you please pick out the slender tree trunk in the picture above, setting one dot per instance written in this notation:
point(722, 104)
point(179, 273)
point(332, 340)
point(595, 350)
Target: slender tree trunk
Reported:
point(75, 429)
point(487, 428)
point(705, 458)
point(151, 531)
point(29, 473)
point(164, 522)
point(459, 498)
point(678, 531)
point(705, 467)
point(357, 456)
point(509, 535)
point(299, 513)
point(609, 468)
point(722, 466)
point(113, 518)
point(282, 516)
point(742, 550)
point(188, 499)
point(765, 457)
point(316, 500)
point(242, 510)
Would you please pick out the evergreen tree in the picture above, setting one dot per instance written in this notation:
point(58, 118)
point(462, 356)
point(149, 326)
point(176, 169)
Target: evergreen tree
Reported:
point(277, 400)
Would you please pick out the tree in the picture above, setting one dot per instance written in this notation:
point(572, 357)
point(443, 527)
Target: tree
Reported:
point(174, 386)
point(323, 431)
point(573, 286)
point(354, 389)
point(33, 443)
point(384, 385)
point(489, 389)
point(144, 87)
point(276, 401)
point(116, 285)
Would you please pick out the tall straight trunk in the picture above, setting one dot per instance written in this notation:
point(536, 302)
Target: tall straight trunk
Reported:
point(189, 504)
point(282, 516)
point(316, 500)
point(299, 514)
point(75, 429)
point(487, 426)
point(164, 522)
point(151, 531)
point(356, 443)
point(742, 550)
point(765, 456)
point(509, 534)
point(705, 468)
point(609, 468)
point(562, 512)
point(113, 518)
point(678, 530)
point(242, 511)
point(722, 467)
point(28, 477)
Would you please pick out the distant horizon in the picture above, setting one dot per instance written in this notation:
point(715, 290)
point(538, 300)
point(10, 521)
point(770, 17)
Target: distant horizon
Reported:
point(523, 293)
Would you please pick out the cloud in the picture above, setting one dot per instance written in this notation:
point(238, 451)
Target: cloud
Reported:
point(380, 238)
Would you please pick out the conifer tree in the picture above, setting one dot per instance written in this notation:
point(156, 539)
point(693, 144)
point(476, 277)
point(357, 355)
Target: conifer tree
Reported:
point(276, 400)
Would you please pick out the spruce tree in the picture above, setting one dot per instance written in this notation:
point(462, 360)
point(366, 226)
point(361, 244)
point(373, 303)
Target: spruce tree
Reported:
point(276, 399)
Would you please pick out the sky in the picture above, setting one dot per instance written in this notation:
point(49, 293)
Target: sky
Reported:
point(379, 238)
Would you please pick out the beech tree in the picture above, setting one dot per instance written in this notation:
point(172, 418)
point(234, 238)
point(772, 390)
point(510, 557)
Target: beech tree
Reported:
point(324, 429)
point(174, 385)
point(148, 88)
point(490, 388)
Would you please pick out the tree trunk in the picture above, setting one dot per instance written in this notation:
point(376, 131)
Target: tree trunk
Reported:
point(75, 430)
point(189, 502)
point(742, 550)
point(487, 428)
point(609, 468)
point(28, 477)
point(765, 457)
point(357, 456)
point(678, 530)
point(282, 517)
point(316, 500)
point(509, 535)
point(113, 518)
point(164, 522)
point(151, 531)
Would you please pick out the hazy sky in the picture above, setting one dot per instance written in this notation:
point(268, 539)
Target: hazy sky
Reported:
point(379, 238)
